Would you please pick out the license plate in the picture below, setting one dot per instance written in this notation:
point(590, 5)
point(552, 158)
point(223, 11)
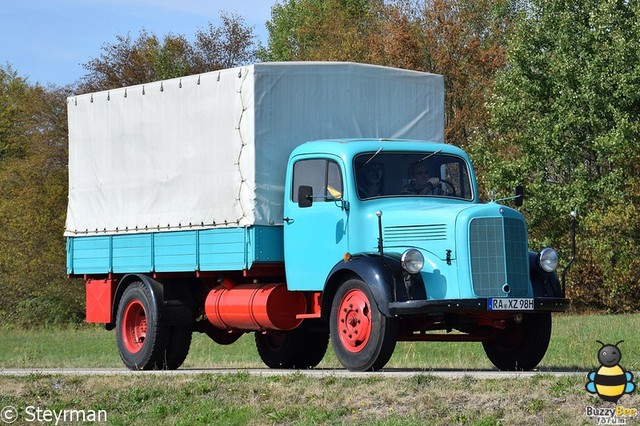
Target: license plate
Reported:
point(509, 304)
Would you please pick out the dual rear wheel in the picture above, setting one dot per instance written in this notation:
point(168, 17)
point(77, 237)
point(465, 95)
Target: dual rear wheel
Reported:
point(144, 342)
point(301, 348)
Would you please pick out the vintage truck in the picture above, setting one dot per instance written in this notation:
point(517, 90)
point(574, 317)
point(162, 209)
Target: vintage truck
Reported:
point(196, 205)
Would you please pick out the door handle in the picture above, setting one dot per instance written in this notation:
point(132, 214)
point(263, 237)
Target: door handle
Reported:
point(288, 220)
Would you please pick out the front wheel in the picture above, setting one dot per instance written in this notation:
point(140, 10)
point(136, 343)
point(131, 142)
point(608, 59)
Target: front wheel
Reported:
point(363, 338)
point(521, 346)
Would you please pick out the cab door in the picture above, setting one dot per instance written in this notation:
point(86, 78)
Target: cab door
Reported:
point(316, 221)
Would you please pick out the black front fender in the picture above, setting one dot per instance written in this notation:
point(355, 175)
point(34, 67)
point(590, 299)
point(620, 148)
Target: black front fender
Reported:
point(545, 284)
point(388, 281)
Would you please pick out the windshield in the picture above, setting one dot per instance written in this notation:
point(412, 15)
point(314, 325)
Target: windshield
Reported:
point(426, 174)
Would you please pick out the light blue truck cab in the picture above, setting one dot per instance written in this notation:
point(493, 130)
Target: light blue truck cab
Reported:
point(393, 233)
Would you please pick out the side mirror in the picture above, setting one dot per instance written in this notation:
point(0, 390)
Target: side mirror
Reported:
point(305, 196)
point(519, 197)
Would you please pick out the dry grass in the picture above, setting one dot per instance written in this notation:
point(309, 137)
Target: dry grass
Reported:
point(297, 399)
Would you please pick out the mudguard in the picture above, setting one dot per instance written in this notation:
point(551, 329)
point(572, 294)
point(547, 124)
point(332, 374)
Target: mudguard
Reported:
point(176, 306)
point(545, 284)
point(385, 277)
point(155, 289)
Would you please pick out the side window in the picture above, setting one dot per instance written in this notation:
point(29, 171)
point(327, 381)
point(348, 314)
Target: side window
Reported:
point(334, 181)
point(323, 176)
point(455, 172)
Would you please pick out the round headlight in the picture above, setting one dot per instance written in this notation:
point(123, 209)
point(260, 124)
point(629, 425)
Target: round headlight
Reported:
point(548, 259)
point(412, 261)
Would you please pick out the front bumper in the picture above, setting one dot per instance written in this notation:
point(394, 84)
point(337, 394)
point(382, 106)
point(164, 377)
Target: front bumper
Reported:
point(434, 307)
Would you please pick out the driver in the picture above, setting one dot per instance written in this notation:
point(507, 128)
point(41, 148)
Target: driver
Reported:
point(421, 182)
point(370, 180)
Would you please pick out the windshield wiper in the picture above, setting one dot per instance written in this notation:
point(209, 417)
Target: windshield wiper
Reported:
point(372, 157)
point(426, 157)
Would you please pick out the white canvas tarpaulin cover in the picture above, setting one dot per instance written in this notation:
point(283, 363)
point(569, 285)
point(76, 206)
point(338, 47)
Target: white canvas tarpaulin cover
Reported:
point(211, 150)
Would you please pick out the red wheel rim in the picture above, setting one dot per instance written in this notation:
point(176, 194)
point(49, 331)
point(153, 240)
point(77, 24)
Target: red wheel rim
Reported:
point(134, 326)
point(354, 320)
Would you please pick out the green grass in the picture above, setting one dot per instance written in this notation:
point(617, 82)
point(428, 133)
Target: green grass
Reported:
point(573, 346)
point(296, 399)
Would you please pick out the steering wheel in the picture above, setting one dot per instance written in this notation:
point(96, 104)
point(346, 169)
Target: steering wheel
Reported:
point(449, 189)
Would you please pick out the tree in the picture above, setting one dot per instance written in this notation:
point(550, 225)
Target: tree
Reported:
point(322, 30)
point(130, 62)
point(227, 46)
point(465, 41)
point(33, 184)
point(461, 39)
point(567, 118)
point(398, 40)
point(147, 58)
point(12, 89)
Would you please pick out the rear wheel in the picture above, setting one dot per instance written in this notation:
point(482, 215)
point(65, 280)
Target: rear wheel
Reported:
point(178, 347)
point(521, 346)
point(144, 343)
point(363, 338)
point(301, 348)
point(141, 339)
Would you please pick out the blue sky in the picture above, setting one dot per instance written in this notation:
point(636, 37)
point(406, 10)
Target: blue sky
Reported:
point(47, 41)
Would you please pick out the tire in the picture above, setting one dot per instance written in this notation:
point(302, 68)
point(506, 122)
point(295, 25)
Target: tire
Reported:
point(301, 348)
point(362, 338)
point(178, 347)
point(142, 340)
point(520, 347)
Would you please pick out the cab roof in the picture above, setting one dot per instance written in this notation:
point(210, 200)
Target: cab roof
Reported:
point(348, 148)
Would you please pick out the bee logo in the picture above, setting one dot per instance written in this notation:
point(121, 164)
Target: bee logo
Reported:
point(610, 381)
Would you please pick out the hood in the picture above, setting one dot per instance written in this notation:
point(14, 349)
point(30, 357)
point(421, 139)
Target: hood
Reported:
point(429, 225)
point(417, 211)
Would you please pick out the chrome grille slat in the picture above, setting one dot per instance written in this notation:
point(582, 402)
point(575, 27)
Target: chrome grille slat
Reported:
point(395, 234)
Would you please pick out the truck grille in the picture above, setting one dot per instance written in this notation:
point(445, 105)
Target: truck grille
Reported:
point(499, 256)
point(415, 233)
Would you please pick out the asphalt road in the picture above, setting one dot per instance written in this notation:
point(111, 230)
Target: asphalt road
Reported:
point(265, 372)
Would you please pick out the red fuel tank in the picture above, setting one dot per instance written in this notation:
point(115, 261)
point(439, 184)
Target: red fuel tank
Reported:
point(255, 307)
